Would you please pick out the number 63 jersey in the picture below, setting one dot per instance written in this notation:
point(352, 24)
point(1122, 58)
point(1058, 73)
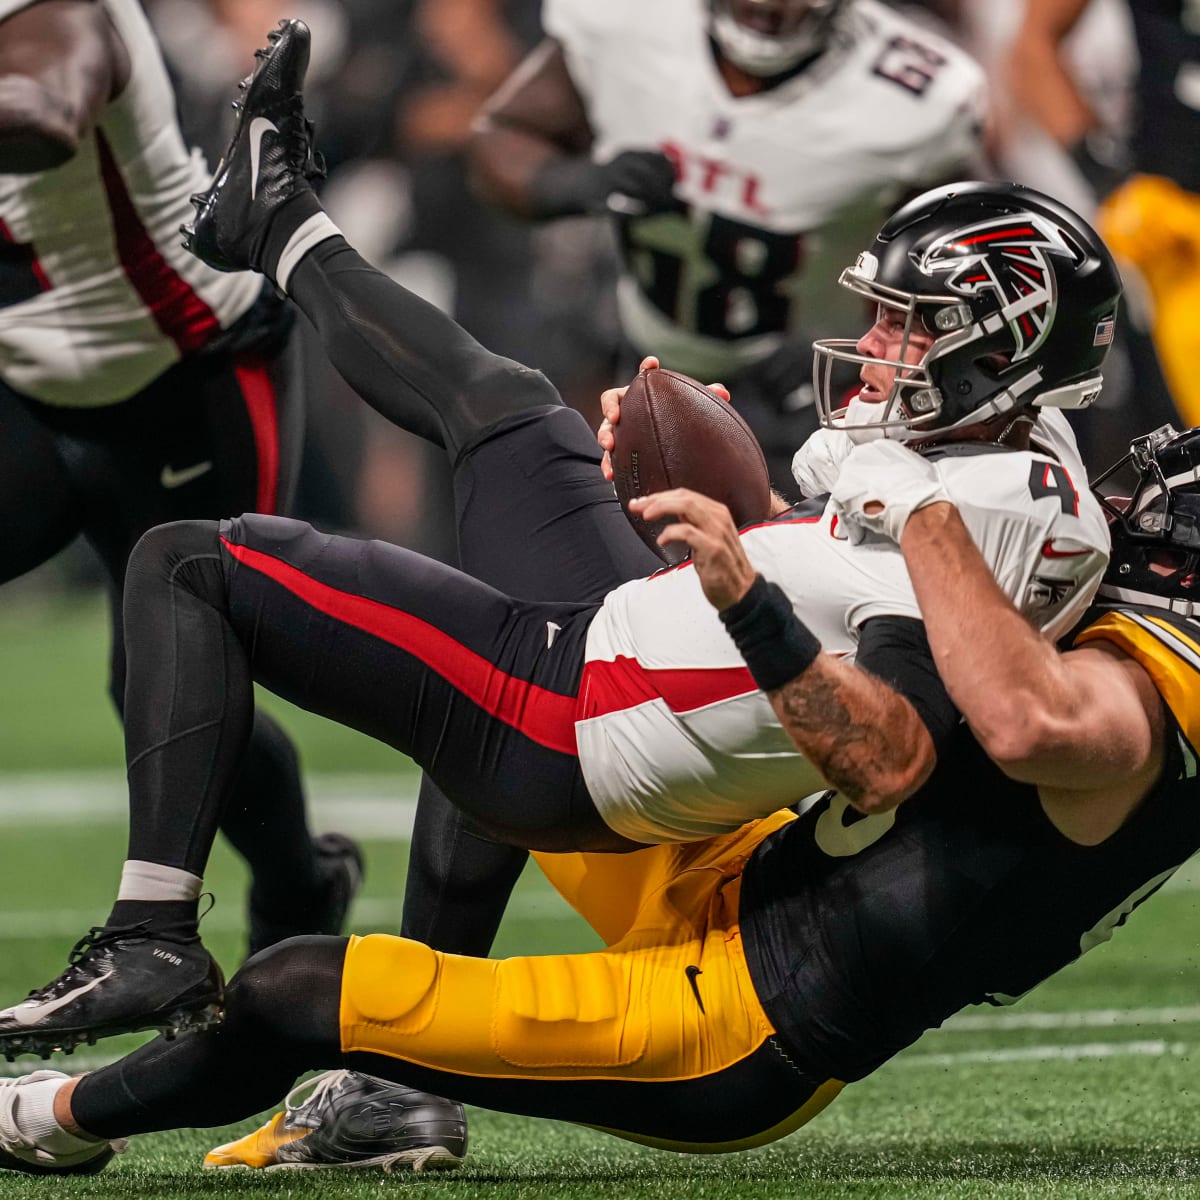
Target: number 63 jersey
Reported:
point(887, 107)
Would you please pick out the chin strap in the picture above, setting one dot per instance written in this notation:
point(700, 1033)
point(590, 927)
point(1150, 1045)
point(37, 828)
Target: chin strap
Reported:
point(1175, 604)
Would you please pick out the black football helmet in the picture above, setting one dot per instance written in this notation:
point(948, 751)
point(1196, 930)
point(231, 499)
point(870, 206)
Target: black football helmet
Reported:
point(1155, 533)
point(768, 37)
point(1019, 294)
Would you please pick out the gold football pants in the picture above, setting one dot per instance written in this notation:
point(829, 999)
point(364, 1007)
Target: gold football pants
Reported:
point(660, 1037)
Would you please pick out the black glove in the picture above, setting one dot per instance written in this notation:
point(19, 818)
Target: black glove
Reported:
point(782, 382)
point(775, 396)
point(635, 182)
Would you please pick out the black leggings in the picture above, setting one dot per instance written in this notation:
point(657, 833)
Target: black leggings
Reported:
point(217, 433)
point(542, 490)
point(449, 671)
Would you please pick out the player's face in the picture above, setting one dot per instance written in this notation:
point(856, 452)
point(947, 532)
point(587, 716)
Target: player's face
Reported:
point(892, 338)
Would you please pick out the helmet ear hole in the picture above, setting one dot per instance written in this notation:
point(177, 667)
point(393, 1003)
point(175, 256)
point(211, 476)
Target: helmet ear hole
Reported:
point(1167, 561)
point(995, 365)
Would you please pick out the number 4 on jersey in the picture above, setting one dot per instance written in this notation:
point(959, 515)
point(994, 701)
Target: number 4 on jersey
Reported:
point(1049, 479)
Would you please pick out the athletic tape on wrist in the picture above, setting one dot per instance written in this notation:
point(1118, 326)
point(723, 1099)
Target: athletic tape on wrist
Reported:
point(775, 643)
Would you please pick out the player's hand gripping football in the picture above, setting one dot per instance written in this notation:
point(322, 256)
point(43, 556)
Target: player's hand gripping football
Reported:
point(610, 406)
point(880, 485)
point(708, 530)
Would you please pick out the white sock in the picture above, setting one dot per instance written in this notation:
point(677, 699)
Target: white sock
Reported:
point(34, 1115)
point(151, 881)
point(317, 229)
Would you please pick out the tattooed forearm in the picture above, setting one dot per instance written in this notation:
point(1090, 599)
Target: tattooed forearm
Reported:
point(813, 709)
point(864, 737)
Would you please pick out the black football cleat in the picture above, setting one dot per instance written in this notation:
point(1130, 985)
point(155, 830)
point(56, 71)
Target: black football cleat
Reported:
point(269, 160)
point(19, 1152)
point(340, 863)
point(350, 1120)
point(119, 980)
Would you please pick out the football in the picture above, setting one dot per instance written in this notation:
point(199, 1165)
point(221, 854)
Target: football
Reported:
point(674, 432)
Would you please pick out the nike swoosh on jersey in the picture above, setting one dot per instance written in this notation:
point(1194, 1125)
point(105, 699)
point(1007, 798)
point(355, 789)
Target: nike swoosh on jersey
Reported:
point(171, 478)
point(31, 1012)
point(259, 127)
point(1049, 551)
point(552, 631)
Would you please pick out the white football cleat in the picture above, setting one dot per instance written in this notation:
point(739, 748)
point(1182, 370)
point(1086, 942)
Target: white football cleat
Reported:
point(19, 1152)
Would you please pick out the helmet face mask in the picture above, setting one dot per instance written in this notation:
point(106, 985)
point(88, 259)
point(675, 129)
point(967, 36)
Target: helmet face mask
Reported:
point(1156, 532)
point(1018, 293)
point(911, 409)
point(768, 37)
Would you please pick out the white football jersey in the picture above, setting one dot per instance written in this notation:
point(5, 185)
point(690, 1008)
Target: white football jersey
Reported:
point(98, 297)
point(887, 108)
point(677, 743)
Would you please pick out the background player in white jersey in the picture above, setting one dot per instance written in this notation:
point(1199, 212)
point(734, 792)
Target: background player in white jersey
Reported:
point(729, 143)
point(138, 385)
point(533, 716)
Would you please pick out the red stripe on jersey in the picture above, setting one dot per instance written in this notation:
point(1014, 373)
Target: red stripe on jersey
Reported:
point(259, 393)
point(178, 311)
point(35, 266)
point(624, 683)
point(545, 717)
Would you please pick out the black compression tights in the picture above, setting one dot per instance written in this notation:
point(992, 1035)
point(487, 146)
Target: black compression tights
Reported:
point(404, 357)
point(175, 598)
point(281, 1019)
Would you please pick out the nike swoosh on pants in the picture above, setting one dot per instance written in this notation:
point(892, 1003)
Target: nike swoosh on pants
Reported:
point(171, 478)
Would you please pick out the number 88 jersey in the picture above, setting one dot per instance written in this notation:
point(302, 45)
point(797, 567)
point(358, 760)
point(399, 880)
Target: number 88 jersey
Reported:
point(886, 107)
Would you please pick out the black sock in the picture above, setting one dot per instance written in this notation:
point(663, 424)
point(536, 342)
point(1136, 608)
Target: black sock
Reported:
point(175, 919)
point(284, 223)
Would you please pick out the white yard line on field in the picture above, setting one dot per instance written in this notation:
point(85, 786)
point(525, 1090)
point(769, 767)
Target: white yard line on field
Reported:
point(369, 806)
point(72, 1064)
point(366, 805)
point(367, 914)
point(1098, 1018)
point(1039, 1054)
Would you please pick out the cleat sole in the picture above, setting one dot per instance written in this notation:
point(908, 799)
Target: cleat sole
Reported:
point(64, 1041)
point(427, 1158)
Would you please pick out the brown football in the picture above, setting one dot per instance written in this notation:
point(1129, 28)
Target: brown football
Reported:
point(674, 432)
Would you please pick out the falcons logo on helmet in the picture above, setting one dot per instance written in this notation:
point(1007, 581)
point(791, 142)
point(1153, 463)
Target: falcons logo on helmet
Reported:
point(1008, 257)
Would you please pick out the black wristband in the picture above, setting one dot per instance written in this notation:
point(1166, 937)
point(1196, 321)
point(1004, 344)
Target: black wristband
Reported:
point(775, 643)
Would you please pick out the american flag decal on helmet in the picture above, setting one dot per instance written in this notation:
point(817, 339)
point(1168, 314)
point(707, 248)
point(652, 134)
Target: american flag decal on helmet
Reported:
point(1007, 256)
point(1104, 332)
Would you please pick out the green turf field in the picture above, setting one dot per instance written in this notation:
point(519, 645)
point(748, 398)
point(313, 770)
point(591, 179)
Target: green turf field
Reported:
point(1090, 1088)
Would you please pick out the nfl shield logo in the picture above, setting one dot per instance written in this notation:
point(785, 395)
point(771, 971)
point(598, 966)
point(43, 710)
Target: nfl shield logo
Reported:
point(1104, 332)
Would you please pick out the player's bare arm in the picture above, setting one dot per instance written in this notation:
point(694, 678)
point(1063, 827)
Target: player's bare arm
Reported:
point(1071, 723)
point(529, 153)
point(865, 738)
point(1036, 75)
point(536, 116)
point(60, 63)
